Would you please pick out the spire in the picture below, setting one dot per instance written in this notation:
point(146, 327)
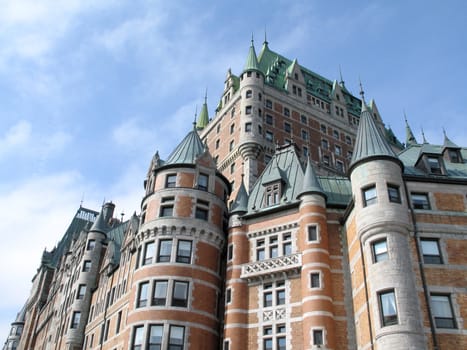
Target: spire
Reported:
point(311, 184)
point(409, 136)
point(370, 142)
point(188, 150)
point(423, 136)
point(203, 118)
point(252, 59)
point(341, 82)
point(240, 204)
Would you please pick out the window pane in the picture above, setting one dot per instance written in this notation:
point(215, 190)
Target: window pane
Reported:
point(138, 338)
point(442, 311)
point(430, 247)
point(380, 251)
point(420, 201)
point(388, 308)
point(318, 337)
point(165, 250)
point(312, 233)
point(369, 195)
point(160, 293)
point(260, 254)
point(148, 253)
point(267, 344)
point(280, 297)
point(281, 343)
point(143, 295)
point(155, 337)
point(184, 252)
point(176, 337)
point(203, 182)
point(180, 294)
point(394, 195)
point(267, 299)
point(287, 248)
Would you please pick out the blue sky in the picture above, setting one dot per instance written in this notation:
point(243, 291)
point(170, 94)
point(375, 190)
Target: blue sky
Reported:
point(89, 90)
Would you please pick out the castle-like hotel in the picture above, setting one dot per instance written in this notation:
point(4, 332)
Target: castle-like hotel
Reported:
point(293, 219)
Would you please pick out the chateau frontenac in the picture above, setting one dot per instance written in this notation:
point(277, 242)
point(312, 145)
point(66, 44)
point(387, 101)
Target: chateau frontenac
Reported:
point(293, 218)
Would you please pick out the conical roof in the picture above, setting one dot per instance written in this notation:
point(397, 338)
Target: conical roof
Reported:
point(188, 150)
point(240, 204)
point(409, 136)
point(311, 184)
point(203, 118)
point(100, 225)
point(252, 60)
point(370, 142)
point(448, 143)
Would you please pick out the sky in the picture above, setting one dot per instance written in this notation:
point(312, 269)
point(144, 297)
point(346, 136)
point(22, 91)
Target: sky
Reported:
point(89, 90)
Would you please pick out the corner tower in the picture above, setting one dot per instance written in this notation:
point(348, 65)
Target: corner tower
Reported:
point(383, 278)
point(177, 280)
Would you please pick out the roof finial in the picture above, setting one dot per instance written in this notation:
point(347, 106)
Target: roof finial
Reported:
point(196, 115)
point(405, 116)
point(252, 39)
point(444, 132)
point(340, 75)
point(362, 93)
point(206, 96)
point(265, 36)
point(423, 136)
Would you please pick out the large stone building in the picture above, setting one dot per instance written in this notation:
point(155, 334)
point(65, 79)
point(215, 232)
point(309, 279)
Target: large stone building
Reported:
point(293, 219)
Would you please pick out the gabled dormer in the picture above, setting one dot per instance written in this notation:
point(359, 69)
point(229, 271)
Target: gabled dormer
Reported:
point(294, 80)
point(430, 160)
point(273, 183)
point(451, 152)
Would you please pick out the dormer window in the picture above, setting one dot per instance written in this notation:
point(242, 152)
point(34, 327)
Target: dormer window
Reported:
point(434, 165)
point(454, 156)
point(273, 194)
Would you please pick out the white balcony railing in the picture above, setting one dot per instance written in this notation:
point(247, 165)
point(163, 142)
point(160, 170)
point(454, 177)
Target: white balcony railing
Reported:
point(282, 264)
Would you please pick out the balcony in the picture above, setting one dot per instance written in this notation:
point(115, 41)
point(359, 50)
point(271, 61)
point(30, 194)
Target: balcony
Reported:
point(289, 264)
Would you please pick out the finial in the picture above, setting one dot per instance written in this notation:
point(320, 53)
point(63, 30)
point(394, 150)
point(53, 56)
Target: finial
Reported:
point(122, 214)
point(265, 36)
point(340, 75)
point(362, 93)
point(206, 96)
point(82, 200)
point(423, 136)
point(252, 39)
point(444, 132)
point(196, 115)
point(405, 116)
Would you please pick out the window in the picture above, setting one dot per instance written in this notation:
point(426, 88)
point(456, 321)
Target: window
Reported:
point(159, 295)
point(260, 97)
point(387, 304)
point(87, 265)
point(313, 233)
point(106, 332)
point(430, 251)
point(287, 243)
point(231, 145)
point(274, 294)
point(167, 210)
point(335, 133)
point(143, 295)
point(170, 180)
point(248, 94)
point(305, 151)
point(286, 112)
point(230, 252)
point(201, 213)
point(315, 280)
point(232, 113)
point(228, 295)
point(226, 345)
point(380, 250)
point(303, 119)
point(324, 144)
point(260, 252)
point(75, 319)
point(81, 291)
point(232, 128)
point(420, 201)
point(339, 166)
point(435, 165)
point(272, 194)
point(269, 136)
point(148, 253)
point(305, 135)
point(118, 323)
point(394, 194)
point(180, 294)
point(218, 129)
point(369, 195)
point(287, 127)
point(318, 337)
point(137, 338)
point(323, 128)
point(268, 103)
point(91, 244)
point(165, 250)
point(248, 110)
point(326, 160)
point(218, 143)
point(248, 127)
point(337, 150)
point(176, 337)
point(155, 336)
point(454, 156)
point(183, 252)
point(273, 247)
point(269, 119)
point(203, 181)
point(348, 140)
point(442, 311)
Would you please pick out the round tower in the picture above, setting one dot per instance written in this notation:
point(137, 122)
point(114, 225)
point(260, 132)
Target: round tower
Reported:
point(382, 227)
point(251, 118)
point(317, 308)
point(180, 243)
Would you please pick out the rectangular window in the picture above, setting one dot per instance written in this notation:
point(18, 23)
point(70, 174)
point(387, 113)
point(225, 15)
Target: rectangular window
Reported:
point(180, 294)
point(267, 299)
point(287, 127)
point(155, 336)
point(304, 135)
point(143, 295)
point(317, 337)
point(312, 233)
point(137, 343)
point(268, 103)
point(273, 247)
point(286, 112)
point(183, 252)
point(454, 156)
point(149, 250)
point(380, 250)
point(201, 213)
point(106, 332)
point(337, 150)
point(269, 136)
point(176, 337)
point(323, 128)
point(87, 265)
point(267, 344)
point(430, 251)
point(230, 252)
point(305, 152)
point(248, 110)
point(119, 322)
point(165, 250)
point(272, 194)
point(326, 160)
point(369, 195)
point(315, 280)
point(442, 311)
point(324, 144)
point(303, 119)
point(232, 128)
point(231, 145)
point(435, 165)
point(387, 304)
point(159, 295)
point(394, 194)
point(226, 345)
point(269, 119)
point(75, 319)
point(203, 181)
point(167, 210)
point(91, 244)
point(280, 297)
point(348, 140)
point(228, 295)
point(170, 180)
point(286, 243)
point(218, 143)
point(260, 252)
point(248, 127)
point(81, 291)
point(339, 166)
point(420, 201)
point(335, 133)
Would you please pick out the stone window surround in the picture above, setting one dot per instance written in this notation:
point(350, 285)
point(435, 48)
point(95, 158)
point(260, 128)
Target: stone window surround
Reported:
point(169, 292)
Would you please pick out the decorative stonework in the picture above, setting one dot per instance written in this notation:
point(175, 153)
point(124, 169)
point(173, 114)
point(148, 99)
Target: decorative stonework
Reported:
point(289, 264)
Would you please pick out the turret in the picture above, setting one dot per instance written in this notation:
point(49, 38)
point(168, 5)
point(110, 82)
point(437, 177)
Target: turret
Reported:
point(382, 229)
point(203, 118)
point(409, 136)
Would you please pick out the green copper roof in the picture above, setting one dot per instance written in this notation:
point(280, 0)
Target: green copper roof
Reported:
point(240, 204)
point(311, 184)
point(409, 136)
point(252, 60)
point(369, 142)
point(203, 118)
point(448, 143)
point(188, 150)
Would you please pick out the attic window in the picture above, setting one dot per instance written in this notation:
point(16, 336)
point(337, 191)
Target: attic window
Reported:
point(296, 76)
point(434, 165)
point(272, 194)
point(454, 156)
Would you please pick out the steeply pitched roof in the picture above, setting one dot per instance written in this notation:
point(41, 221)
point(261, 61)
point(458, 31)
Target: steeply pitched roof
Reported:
point(370, 142)
point(203, 118)
point(188, 150)
point(409, 136)
point(448, 143)
point(240, 204)
point(251, 60)
point(311, 184)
